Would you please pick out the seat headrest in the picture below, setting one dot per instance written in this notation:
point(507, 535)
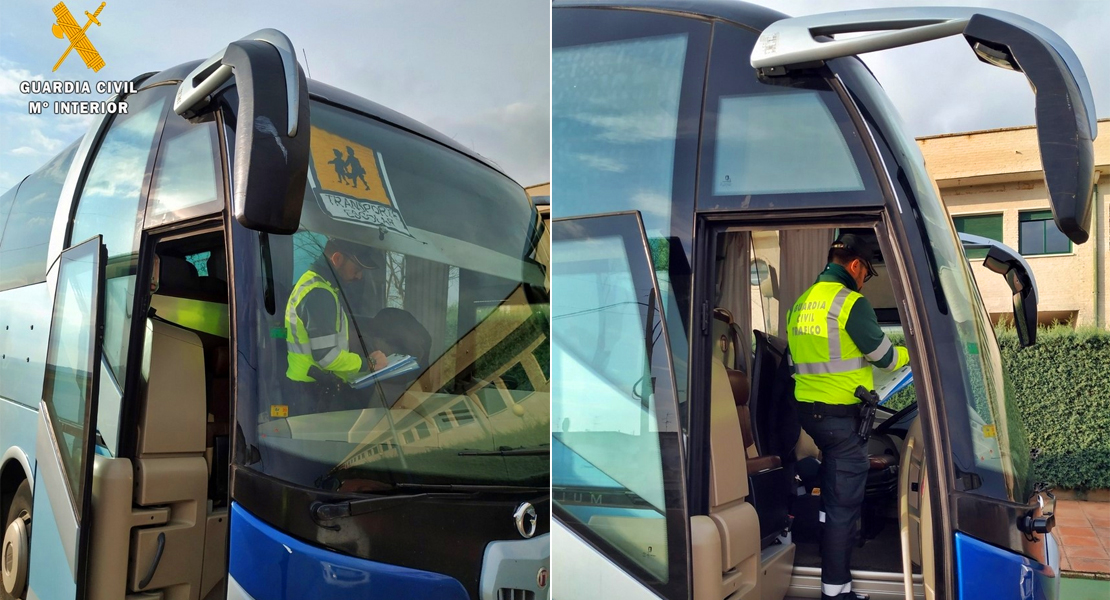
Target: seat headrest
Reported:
point(176, 272)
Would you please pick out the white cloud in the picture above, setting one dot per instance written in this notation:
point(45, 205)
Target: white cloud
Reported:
point(11, 77)
point(25, 151)
point(602, 163)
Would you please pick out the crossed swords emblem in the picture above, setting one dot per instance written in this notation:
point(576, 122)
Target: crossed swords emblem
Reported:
point(67, 27)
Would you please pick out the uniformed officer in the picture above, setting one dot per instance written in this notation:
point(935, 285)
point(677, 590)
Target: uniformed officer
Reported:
point(834, 338)
point(316, 322)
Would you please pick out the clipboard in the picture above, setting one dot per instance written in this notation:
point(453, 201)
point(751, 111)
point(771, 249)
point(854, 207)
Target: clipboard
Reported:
point(399, 364)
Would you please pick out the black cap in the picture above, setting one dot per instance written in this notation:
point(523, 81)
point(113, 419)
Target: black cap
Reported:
point(367, 257)
point(859, 247)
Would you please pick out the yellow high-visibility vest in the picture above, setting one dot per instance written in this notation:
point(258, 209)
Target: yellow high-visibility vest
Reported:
point(828, 366)
point(339, 359)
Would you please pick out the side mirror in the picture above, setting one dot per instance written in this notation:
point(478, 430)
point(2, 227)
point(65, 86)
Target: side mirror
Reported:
point(272, 134)
point(1007, 262)
point(1066, 123)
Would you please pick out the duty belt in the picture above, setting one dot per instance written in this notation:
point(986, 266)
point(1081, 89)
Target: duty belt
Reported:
point(828, 410)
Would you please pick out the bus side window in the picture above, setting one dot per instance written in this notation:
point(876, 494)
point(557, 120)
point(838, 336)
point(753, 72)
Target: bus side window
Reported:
point(111, 204)
point(616, 466)
point(186, 179)
point(30, 215)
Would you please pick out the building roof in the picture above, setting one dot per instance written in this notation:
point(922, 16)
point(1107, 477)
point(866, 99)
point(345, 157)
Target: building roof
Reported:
point(995, 130)
point(996, 155)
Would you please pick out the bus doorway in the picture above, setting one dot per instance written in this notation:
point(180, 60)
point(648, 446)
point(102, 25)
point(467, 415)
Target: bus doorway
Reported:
point(758, 271)
point(161, 503)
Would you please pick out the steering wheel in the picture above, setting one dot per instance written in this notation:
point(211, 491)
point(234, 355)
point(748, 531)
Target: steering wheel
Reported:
point(897, 417)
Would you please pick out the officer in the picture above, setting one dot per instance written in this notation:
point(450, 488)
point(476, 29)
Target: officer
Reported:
point(316, 322)
point(834, 339)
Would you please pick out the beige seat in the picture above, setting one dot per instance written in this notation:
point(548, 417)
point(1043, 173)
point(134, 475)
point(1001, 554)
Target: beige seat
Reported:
point(153, 531)
point(726, 552)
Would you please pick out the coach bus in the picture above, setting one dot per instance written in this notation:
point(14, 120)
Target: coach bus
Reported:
point(153, 443)
point(706, 154)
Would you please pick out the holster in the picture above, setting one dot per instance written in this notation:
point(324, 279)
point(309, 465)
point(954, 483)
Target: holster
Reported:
point(869, 402)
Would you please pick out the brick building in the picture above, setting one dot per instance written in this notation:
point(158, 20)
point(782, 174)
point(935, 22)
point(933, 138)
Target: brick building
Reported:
point(992, 183)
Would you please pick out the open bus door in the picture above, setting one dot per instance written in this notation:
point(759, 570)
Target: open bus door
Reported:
point(59, 540)
point(618, 485)
point(994, 523)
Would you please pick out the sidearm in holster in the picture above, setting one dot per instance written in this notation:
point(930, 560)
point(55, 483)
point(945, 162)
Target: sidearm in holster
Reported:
point(869, 402)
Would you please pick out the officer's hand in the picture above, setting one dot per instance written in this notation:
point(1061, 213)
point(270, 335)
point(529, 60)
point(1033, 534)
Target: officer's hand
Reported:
point(378, 360)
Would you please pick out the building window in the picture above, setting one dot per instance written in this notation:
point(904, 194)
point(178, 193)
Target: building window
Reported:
point(1039, 235)
point(988, 226)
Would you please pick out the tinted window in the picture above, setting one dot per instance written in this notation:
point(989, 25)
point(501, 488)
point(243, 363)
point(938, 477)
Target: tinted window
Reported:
point(68, 389)
point(616, 462)
point(185, 175)
point(767, 141)
point(26, 237)
point(757, 136)
point(6, 207)
point(626, 103)
point(612, 149)
point(111, 205)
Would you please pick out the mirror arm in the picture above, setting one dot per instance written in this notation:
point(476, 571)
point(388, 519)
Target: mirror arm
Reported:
point(193, 95)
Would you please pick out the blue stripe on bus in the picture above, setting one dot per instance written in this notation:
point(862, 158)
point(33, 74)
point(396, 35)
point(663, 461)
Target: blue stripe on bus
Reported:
point(985, 571)
point(270, 565)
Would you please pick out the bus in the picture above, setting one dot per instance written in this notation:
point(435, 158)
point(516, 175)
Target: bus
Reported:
point(157, 440)
point(706, 155)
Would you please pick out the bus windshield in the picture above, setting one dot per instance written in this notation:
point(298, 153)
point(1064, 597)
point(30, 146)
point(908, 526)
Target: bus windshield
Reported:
point(399, 339)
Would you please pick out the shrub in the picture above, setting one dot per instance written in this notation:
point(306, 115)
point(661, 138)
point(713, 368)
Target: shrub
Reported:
point(1062, 389)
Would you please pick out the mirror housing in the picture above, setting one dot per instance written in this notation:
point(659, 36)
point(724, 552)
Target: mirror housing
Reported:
point(272, 130)
point(1065, 132)
point(1065, 109)
point(1007, 262)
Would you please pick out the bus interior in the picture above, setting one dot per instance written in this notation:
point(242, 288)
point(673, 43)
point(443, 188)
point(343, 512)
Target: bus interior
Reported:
point(763, 479)
point(164, 520)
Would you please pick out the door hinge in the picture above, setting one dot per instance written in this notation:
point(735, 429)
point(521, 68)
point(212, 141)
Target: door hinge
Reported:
point(704, 318)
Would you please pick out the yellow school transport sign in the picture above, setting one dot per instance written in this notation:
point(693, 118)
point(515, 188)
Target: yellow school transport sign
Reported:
point(352, 184)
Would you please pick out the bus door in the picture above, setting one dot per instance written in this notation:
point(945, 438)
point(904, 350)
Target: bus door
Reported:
point(994, 522)
point(66, 430)
point(617, 450)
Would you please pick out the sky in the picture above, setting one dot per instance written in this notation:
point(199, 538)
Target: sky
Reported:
point(477, 71)
point(941, 87)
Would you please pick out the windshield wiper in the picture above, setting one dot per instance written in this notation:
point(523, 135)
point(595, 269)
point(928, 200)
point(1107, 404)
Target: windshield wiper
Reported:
point(507, 451)
point(328, 511)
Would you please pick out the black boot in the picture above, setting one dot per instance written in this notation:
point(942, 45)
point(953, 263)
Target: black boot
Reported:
point(847, 596)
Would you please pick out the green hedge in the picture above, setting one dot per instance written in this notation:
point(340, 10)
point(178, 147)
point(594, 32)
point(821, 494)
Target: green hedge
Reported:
point(1062, 388)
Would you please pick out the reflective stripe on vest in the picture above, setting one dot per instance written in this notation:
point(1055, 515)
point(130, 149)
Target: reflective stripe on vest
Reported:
point(828, 366)
point(299, 345)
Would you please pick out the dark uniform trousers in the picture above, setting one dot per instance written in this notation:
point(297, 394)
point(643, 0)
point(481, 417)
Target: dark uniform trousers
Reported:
point(843, 479)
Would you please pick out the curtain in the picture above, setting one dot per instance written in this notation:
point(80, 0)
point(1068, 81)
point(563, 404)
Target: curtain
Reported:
point(734, 289)
point(803, 254)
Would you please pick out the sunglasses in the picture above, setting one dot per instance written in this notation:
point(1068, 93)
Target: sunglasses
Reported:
point(870, 270)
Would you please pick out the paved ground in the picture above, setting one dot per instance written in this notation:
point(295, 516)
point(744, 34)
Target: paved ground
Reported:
point(1083, 529)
